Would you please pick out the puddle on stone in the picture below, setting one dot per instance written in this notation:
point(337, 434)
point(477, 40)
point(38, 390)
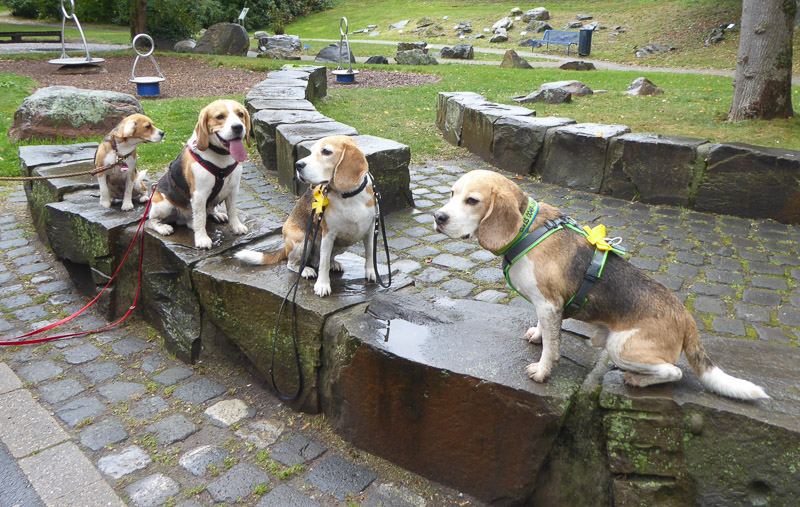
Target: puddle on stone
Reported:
point(404, 338)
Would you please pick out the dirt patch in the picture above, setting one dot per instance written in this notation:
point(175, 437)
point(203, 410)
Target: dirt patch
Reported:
point(186, 77)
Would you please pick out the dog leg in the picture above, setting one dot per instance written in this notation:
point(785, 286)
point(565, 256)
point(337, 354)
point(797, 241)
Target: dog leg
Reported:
point(369, 254)
point(633, 352)
point(218, 216)
point(230, 203)
point(550, 323)
point(201, 239)
point(105, 195)
point(127, 197)
point(158, 212)
point(323, 285)
point(534, 334)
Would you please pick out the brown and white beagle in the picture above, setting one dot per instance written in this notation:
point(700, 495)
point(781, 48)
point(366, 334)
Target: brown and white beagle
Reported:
point(338, 164)
point(118, 148)
point(641, 324)
point(206, 173)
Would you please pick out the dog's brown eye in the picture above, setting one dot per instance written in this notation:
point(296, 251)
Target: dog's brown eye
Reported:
point(149, 127)
point(241, 114)
point(326, 151)
point(220, 116)
point(471, 201)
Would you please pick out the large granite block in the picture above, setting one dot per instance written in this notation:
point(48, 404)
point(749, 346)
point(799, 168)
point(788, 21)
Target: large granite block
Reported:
point(264, 123)
point(242, 302)
point(518, 141)
point(317, 76)
point(388, 162)
point(450, 113)
point(750, 181)
point(575, 155)
point(33, 156)
point(256, 103)
point(286, 82)
point(290, 135)
point(441, 389)
point(167, 297)
point(477, 130)
point(655, 169)
point(43, 192)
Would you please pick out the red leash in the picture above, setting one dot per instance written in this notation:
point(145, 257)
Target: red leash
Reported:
point(19, 340)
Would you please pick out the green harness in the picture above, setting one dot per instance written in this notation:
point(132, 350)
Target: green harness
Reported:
point(525, 241)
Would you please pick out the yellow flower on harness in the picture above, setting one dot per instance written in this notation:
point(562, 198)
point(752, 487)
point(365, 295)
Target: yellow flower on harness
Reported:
point(597, 236)
point(320, 201)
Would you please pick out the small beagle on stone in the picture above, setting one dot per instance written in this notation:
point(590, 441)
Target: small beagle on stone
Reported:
point(553, 264)
point(206, 173)
point(118, 149)
point(338, 173)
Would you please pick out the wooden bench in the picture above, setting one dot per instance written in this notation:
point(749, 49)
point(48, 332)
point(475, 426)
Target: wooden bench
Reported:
point(16, 37)
point(561, 37)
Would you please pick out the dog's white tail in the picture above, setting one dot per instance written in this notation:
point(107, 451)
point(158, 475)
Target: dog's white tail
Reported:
point(714, 378)
point(260, 258)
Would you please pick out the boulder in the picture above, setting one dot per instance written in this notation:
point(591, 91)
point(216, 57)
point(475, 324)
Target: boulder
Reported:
point(415, 57)
point(527, 43)
point(399, 24)
point(260, 34)
point(185, 46)
point(330, 54)
point(266, 121)
point(518, 141)
point(433, 31)
point(408, 46)
point(576, 88)
point(511, 60)
point(643, 86)
point(477, 131)
point(516, 11)
point(537, 26)
point(505, 23)
point(539, 13)
point(459, 52)
point(499, 36)
point(450, 113)
point(577, 65)
point(551, 96)
point(377, 60)
point(278, 54)
point(288, 43)
point(224, 39)
point(69, 112)
point(425, 21)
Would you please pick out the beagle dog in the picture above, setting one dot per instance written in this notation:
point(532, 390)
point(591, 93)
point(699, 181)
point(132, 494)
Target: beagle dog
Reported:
point(338, 164)
point(206, 173)
point(118, 149)
point(641, 324)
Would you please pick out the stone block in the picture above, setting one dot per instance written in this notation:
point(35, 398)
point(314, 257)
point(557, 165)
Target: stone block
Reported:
point(256, 103)
point(264, 123)
point(388, 162)
point(518, 141)
point(437, 357)
point(654, 168)
point(287, 82)
point(167, 298)
point(750, 181)
point(289, 136)
point(42, 193)
point(477, 131)
point(242, 301)
point(575, 155)
point(450, 113)
point(317, 76)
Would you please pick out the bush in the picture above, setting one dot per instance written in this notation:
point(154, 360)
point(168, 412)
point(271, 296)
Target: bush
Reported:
point(171, 19)
point(36, 9)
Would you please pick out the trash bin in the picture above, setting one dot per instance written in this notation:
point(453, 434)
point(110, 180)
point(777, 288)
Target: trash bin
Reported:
point(585, 42)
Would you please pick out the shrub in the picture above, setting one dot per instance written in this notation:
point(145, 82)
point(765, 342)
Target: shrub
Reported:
point(171, 19)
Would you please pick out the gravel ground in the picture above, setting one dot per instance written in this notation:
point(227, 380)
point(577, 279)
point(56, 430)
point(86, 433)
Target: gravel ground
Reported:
point(185, 77)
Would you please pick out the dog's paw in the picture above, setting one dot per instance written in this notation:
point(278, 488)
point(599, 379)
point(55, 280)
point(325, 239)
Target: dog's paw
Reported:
point(219, 217)
point(202, 241)
point(309, 272)
point(336, 266)
point(239, 228)
point(127, 205)
point(537, 372)
point(322, 289)
point(534, 334)
point(370, 275)
point(163, 229)
point(106, 203)
point(144, 198)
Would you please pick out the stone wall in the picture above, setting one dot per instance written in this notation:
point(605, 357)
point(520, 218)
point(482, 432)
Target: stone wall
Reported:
point(727, 178)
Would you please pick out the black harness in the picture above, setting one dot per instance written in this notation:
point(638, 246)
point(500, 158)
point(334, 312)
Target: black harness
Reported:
point(220, 173)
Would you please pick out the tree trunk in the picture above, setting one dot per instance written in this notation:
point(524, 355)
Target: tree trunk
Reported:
point(138, 17)
point(762, 87)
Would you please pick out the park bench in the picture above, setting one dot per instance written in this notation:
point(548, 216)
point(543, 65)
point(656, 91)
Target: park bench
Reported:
point(562, 37)
point(14, 37)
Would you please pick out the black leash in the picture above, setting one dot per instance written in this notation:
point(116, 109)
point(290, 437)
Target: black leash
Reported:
point(379, 218)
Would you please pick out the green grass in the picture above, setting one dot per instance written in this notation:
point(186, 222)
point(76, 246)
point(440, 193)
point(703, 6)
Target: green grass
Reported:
point(13, 89)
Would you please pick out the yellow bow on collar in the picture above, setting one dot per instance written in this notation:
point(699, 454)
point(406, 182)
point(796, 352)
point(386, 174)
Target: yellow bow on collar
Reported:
point(320, 201)
point(597, 236)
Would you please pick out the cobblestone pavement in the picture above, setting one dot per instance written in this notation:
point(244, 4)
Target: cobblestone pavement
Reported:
point(125, 419)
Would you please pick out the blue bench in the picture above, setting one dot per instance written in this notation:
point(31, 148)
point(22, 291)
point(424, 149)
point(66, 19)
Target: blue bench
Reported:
point(561, 37)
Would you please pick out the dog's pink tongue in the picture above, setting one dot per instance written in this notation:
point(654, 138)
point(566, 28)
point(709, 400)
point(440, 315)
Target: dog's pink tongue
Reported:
point(236, 147)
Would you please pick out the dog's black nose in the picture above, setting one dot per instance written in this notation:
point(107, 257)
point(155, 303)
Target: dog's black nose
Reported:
point(237, 128)
point(441, 218)
point(299, 165)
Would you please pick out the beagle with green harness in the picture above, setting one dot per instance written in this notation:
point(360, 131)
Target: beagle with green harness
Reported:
point(566, 271)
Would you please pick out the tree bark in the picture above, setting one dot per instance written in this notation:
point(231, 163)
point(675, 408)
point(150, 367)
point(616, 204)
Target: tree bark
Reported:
point(762, 87)
point(138, 17)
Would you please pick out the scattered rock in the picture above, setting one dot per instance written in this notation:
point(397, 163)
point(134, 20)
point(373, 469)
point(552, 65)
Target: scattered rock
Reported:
point(69, 112)
point(527, 43)
point(224, 39)
point(459, 52)
point(499, 36)
point(185, 46)
point(583, 17)
point(573, 24)
point(539, 13)
point(374, 34)
point(277, 54)
point(550, 96)
point(398, 25)
point(425, 21)
point(330, 54)
point(577, 65)
point(476, 37)
point(654, 49)
point(260, 34)
point(511, 60)
point(717, 35)
point(576, 88)
point(433, 31)
point(408, 46)
point(643, 86)
point(594, 25)
point(377, 60)
point(288, 43)
point(415, 57)
point(505, 23)
point(537, 26)
point(516, 11)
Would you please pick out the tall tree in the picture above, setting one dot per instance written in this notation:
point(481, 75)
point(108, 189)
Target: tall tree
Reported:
point(138, 17)
point(762, 87)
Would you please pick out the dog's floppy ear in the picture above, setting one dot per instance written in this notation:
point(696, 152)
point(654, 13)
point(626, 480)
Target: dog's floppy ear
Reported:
point(201, 130)
point(501, 222)
point(128, 128)
point(351, 168)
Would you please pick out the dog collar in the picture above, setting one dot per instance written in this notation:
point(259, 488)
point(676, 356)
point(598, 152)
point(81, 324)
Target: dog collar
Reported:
point(218, 150)
point(527, 219)
point(113, 142)
point(356, 191)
